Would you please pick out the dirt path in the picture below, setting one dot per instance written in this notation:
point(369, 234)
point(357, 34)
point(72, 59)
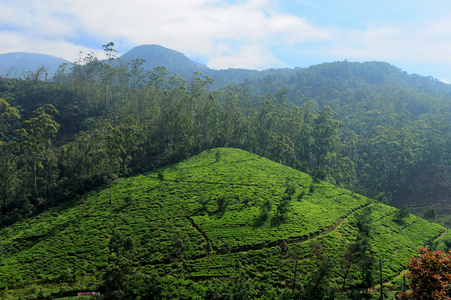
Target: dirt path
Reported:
point(441, 235)
point(198, 229)
point(299, 239)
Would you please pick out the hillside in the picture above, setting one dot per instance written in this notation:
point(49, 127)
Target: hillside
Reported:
point(429, 188)
point(221, 214)
point(368, 127)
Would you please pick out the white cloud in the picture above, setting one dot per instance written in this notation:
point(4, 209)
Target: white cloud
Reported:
point(13, 42)
point(194, 27)
point(426, 43)
point(230, 33)
point(246, 57)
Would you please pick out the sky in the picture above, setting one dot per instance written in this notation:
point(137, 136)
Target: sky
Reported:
point(254, 34)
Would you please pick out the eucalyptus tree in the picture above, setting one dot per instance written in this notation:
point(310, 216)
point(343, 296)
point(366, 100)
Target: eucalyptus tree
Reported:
point(108, 72)
point(8, 158)
point(8, 114)
point(37, 135)
point(113, 138)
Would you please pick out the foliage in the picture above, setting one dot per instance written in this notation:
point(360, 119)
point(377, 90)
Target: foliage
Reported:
point(430, 276)
point(365, 127)
point(138, 240)
point(345, 123)
point(429, 214)
point(401, 214)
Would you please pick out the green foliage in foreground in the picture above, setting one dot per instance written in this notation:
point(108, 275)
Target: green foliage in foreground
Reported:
point(205, 227)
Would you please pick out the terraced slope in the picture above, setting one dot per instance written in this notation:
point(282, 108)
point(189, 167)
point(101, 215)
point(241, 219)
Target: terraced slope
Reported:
point(227, 198)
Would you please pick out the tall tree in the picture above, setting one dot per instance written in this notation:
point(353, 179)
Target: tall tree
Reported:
point(114, 140)
point(37, 139)
point(8, 150)
point(7, 114)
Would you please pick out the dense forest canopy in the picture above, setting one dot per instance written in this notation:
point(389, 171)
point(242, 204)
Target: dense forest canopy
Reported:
point(367, 127)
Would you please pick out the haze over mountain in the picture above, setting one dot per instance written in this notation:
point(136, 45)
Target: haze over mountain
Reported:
point(17, 64)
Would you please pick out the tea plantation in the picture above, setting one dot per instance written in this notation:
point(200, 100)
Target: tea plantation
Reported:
point(224, 217)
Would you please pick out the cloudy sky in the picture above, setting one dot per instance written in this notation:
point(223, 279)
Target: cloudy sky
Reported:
point(256, 34)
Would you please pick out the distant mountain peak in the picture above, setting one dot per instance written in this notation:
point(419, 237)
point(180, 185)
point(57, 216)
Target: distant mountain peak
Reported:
point(156, 55)
point(14, 64)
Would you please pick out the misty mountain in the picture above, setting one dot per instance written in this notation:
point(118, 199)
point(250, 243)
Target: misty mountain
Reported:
point(155, 55)
point(179, 64)
point(17, 64)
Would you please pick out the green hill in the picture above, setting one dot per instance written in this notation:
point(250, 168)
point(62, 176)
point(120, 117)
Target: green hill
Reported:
point(222, 214)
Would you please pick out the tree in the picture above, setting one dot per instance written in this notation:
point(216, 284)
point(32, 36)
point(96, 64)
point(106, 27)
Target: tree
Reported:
point(346, 263)
point(178, 248)
point(429, 214)
point(108, 71)
point(117, 274)
point(324, 266)
point(430, 276)
point(362, 248)
point(8, 170)
point(265, 210)
point(381, 198)
point(109, 50)
point(325, 130)
point(8, 149)
point(37, 137)
point(402, 214)
point(113, 141)
point(208, 251)
point(282, 250)
point(7, 115)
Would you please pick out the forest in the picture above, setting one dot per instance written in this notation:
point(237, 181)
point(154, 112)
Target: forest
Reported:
point(359, 126)
point(366, 127)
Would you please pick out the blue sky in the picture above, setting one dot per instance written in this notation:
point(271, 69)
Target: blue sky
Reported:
point(256, 34)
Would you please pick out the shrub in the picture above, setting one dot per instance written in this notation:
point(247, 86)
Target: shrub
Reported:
point(429, 214)
point(128, 199)
point(312, 187)
point(430, 276)
point(401, 215)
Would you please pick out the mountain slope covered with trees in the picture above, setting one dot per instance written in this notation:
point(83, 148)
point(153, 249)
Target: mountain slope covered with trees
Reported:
point(368, 127)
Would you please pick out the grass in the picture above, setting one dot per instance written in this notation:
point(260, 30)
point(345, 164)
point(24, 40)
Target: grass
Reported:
point(201, 200)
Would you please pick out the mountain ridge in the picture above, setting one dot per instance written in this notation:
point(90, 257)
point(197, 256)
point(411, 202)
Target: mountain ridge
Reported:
point(176, 63)
point(17, 64)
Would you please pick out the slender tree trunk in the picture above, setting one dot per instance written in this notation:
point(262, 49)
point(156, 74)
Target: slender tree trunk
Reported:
point(35, 182)
point(111, 187)
point(294, 276)
point(106, 97)
point(47, 182)
point(5, 195)
point(382, 284)
point(404, 285)
point(280, 272)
